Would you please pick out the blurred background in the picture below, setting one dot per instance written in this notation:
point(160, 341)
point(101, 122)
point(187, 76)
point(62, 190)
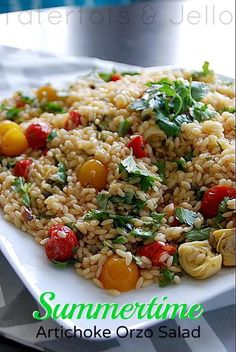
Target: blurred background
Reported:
point(145, 33)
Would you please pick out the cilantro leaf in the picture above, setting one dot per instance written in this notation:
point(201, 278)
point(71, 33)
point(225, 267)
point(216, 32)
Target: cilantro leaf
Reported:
point(129, 168)
point(161, 169)
point(61, 176)
point(198, 234)
point(62, 265)
point(223, 207)
point(102, 200)
point(130, 199)
point(119, 240)
point(198, 90)
point(205, 71)
point(174, 103)
point(139, 232)
point(53, 107)
point(201, 112)
point(51, 136)
point(20, 186)
point(12, 113)
point(168, 277)
point(186, 216)
point(124, 127)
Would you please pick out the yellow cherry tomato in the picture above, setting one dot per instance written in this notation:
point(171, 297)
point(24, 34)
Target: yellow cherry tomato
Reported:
point(117, 275)
point(14, 143)
point(47, 92)
point(7, 125)
point(93, 174)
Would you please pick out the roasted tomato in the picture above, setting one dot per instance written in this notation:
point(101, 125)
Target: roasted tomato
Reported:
point(154, 251)
point(37, 134)
point(22, 168)
point(212, 199)
point(61, 244)
point(73, 120)
point(138, 146)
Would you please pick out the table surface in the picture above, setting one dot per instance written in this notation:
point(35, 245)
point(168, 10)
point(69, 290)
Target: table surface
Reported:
point(145, 33)
point(184, 33)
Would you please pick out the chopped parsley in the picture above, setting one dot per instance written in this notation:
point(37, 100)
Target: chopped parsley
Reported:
point(20, 186)
point(186, 216)
point(167, 277)
point(53, 107)
point(139, 232)
point(130, 199)
point(175, 103)
point(124, 127)
point(62, 265)
point(130, 171)
point(120, 240)
point(198, 234)
point(204, 72)
point(161, 169)
point(51, 136)
point(232, 110)
point(223, 207)
point(102, 200)
point(13, 113)
point(61, 176)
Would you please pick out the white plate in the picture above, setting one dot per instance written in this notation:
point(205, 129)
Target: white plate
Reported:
point(29, 262)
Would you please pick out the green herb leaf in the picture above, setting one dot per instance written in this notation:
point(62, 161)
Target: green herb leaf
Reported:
point(62, 265)
point(171, 102)
point(186, 216)
point(12, 113)
point(11, 163)
point(223, 207)
point(107, 244)
point(168, 277)
point(120, 240)
point(99, 215)
point(129, 167)
point(123, 128)
point(198, 234)
point(51, 136)
point(130, 199)
point(161, 169)
point(61, 176)
point(205, 71)
point(138, 232)
point(201, 112)
point(20, 186)
point(181, 163)
point(53, 107)
point(232, 110)
point(102, 200)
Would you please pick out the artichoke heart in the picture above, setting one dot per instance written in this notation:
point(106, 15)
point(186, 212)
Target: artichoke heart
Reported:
point(224, 241)
point(153, 134)
point(198, 260)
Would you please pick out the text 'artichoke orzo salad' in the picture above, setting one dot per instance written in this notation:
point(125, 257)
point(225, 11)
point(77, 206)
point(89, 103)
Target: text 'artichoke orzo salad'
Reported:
point(129, 176)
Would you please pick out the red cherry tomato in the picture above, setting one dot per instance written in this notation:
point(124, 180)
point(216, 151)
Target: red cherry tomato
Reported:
point(115, 77)
point(61, 243)
point(212, 199)
point(73, 121)
point(37, 134)
point(20, 104)
point(138, 146)
point(154, 250)
point(22, 168)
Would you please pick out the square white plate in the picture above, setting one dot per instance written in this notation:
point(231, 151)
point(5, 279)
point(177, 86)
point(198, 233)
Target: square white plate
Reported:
point(30, 263)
